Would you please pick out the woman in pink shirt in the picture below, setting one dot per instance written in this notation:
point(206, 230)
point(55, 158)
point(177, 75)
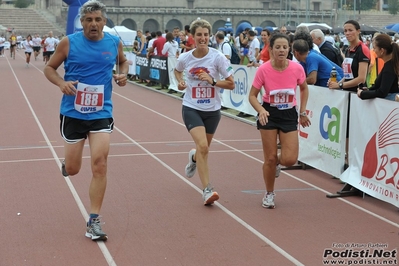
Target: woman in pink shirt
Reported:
point(278, 115)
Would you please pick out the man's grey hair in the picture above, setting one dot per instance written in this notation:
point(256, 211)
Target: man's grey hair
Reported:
point(93, 6)
point(318, 34)
point(302, 28)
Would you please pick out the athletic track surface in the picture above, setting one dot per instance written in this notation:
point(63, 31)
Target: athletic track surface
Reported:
point(153, 214)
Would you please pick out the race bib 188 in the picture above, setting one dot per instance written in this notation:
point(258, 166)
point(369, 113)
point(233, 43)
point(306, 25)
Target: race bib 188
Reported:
point(89, 98)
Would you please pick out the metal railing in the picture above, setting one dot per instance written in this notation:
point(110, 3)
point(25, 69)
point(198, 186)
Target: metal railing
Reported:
point(209, 11)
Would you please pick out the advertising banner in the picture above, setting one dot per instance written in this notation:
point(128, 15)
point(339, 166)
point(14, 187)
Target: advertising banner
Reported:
point(322, 145)
point(374, 148)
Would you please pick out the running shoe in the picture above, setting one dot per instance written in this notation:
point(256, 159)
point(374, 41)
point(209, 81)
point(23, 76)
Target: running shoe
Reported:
point(209, 196)
point(278, 170)
point(63, 171)
point(268, 200)
point(191, 166)
point(94, 230)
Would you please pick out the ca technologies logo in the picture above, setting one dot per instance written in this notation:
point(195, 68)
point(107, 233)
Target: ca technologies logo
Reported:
point(375, 161)
point(241, 87)
point(329, 124)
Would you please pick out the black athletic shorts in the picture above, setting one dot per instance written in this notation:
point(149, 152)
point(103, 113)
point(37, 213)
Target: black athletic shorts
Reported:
point(74, 130)
point(36, 48)
point(284, 120)
point(195, 118)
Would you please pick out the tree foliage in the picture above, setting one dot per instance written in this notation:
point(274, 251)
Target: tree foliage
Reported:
point(360, 4)
point(393, 6)
point(22, 3)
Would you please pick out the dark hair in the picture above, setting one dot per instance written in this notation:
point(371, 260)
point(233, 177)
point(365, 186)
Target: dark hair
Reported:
point(251, 33)
point(187, 28)
point(356, 24)
point(278, 36)
point(384, 41)
point(303, 35)
point(220, 36)
point(159, 33)
point(169, 37)
point(301, 46)
point(267, 31)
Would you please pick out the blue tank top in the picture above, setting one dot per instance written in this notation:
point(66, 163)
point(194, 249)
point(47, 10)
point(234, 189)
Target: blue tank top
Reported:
point(90, 62)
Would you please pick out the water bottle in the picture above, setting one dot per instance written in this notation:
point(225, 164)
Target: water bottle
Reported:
point(333, 75)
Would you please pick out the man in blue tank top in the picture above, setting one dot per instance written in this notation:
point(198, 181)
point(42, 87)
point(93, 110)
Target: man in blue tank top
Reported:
point(86, 106)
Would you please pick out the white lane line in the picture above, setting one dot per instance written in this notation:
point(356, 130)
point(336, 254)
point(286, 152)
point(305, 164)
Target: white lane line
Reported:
point(102, 246)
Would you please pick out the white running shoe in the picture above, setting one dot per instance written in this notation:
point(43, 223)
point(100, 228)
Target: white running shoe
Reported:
point(268, 200)
point(278, 170)
point(209, 196)
point(191, 167)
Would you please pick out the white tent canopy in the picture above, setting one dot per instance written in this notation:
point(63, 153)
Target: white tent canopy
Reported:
point(315, 24)
point(127, 35)
point(107, 29)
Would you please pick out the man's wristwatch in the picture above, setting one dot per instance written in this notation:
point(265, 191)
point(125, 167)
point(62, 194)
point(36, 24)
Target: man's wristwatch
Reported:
point(303, 113)
point(341, 85)
point(214, 82)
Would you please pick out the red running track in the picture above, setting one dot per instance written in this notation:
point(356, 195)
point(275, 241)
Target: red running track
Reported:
point(153, 214)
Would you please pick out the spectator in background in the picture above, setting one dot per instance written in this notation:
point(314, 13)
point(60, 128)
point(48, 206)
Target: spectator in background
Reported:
point(376, 65)
point(326, 48)
point(176, 31)
point(254, 47)
point(141, 39)
point(244, 45)
point(355, 66)
point(222, 45)
point(171, 49)
point(328, 37)
point(182, 37)
point(283, 30)
point(150, 48)
point(157, 45)
point(135, 48)
point(396, 38)
point(264, 55)
point(190, 44)
point(386, 84)
point(356, 62)
point(317, 66)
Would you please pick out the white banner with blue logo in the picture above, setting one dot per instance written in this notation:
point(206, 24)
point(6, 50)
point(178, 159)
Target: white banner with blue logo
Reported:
point(374, 148)
point(237, 99)
point(322, 145)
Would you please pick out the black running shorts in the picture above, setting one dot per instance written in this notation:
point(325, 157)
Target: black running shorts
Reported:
point(195, 118)
point(284, 120)
point(74, 130)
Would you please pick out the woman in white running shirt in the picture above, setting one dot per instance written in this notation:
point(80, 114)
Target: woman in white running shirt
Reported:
point(203, 69)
